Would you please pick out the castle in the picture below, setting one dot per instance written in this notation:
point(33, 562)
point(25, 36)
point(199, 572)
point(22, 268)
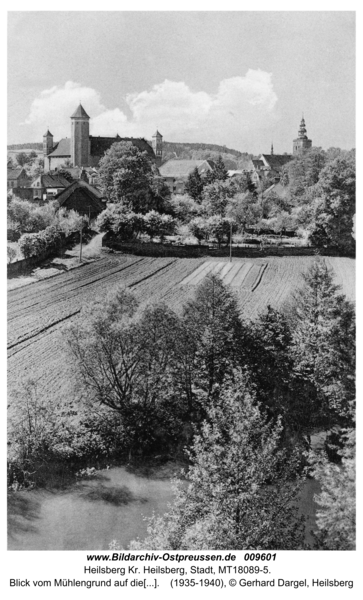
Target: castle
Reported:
point(85, 150)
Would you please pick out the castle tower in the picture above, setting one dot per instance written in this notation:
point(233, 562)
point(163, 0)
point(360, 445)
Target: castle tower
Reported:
point(47, 143)
point(302, 142)
point(158, 147)
point(47, 149)
point(80, 138)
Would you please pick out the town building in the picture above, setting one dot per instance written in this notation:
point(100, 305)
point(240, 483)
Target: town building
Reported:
point(46, 186)
point(175, 172)
point(85, 150)
point(17, 178)
point(83, 198)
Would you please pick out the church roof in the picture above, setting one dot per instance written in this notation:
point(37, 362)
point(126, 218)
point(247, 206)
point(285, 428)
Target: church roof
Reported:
point(182, 167)
point(276, 161)
point(80, 113)
point(99, 145)
point(63, 148)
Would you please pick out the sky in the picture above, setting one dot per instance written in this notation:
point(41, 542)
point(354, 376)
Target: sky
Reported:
point(239, 79)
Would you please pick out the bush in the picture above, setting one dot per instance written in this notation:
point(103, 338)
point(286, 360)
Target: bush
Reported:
point(117, 220)
point(156, 224)
point(27, 217)
point(36, 244)
point(42, 434)
point(11, 254)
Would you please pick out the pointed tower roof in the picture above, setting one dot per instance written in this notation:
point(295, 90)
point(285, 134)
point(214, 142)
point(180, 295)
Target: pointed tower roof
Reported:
point(48, 134)
point(80, 113)
point(302, 130)
point(157, 134)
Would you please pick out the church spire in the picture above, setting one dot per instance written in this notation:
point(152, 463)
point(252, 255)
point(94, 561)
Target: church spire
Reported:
point(272, 148)
point(302, 130)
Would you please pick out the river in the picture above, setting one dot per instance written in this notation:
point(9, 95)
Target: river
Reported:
point(89, 514)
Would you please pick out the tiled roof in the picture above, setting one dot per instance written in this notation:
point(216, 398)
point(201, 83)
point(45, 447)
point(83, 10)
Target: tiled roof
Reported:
point(181, 168)
point(63, 148)
point(276, 189)
point(80, 113)
point(100, 145)
point(277, 161)
point(15, 173)
point(258, 164)
point(94, 194)
point(51, 181)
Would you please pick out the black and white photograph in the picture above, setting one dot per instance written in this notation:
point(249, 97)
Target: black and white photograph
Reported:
point(181, 282)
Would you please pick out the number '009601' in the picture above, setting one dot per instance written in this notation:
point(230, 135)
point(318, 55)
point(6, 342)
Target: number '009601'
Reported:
point(258, 556)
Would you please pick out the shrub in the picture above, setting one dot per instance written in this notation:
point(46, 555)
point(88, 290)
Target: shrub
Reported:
point(36, 244)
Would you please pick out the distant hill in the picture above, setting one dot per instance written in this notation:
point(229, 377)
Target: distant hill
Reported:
point(27, 146)
point(233, 159)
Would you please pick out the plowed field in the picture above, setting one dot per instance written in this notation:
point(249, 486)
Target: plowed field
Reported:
point(38, 312)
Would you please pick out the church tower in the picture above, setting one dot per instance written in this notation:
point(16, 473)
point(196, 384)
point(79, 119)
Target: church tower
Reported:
point(158, 147)
point(302, 142)
point(80, 138)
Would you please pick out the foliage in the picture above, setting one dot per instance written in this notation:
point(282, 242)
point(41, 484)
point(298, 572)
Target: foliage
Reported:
point(41, 433)
point(241, 488)
point(35, 168)
point(198, 227)
point(116, 219)
point(29, 217)
point(194, 185)
point(69, 221)
point(334, 214)
point(22, 158)
point(336, 515)
point(267, 353)
point(244, 210)
point(36, 244)
point(11, 253)
point(323, 347)
point(184, 208)
point(155, 224)
point(216, 196)
point(219, 172)
point(214, 334)
point(303, 171)
point(126, 364)
point(220, 228)
point(126, 177)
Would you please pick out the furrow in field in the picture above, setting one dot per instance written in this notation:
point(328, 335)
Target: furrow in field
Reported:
point(188, 280)
point(232, 272)
point(242, 273)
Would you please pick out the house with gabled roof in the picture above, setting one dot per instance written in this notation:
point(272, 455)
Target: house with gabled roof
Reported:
point(48, 185)
point(176, 171)
point(85, 150)
point(17, 178)
point(82, 197)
